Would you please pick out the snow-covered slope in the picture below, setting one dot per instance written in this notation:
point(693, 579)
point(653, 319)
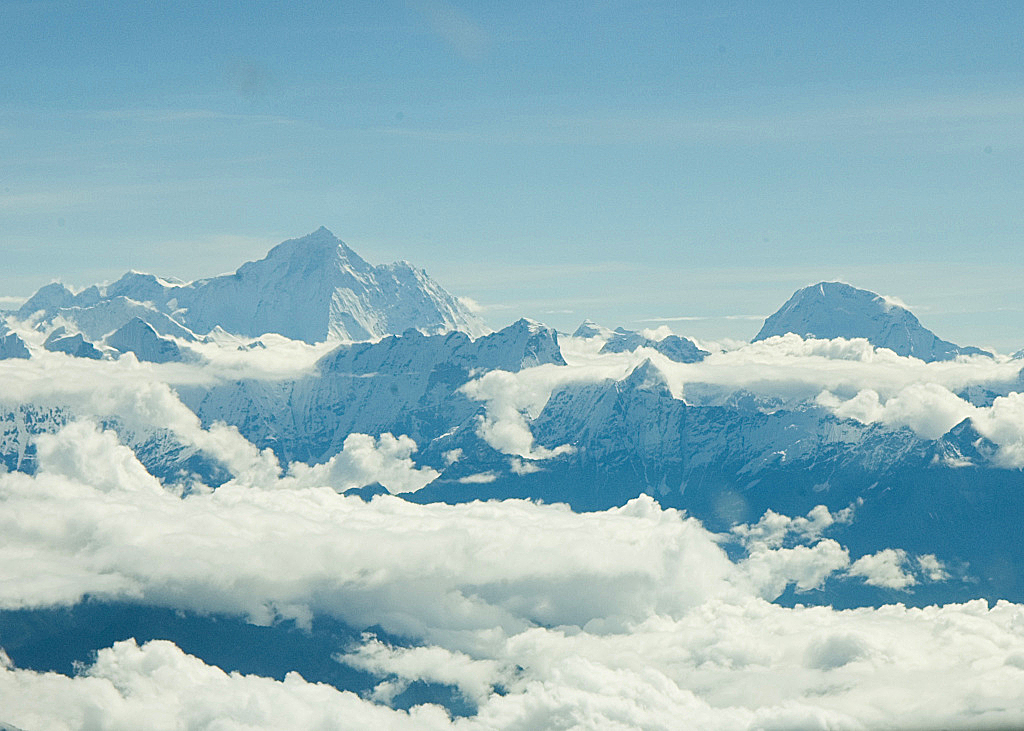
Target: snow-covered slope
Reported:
point(315, 288)
point(139, 337)
point(406, 384)
point(74, 345)
point(312, 288)
point(837, 310)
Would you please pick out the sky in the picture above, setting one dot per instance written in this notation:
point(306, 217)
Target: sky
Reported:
point(688, 164)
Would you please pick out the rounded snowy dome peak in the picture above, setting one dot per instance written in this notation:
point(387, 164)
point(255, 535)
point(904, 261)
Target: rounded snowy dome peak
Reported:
point(838, 310)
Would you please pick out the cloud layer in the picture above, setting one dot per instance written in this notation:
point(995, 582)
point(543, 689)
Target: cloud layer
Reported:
point(538, 616)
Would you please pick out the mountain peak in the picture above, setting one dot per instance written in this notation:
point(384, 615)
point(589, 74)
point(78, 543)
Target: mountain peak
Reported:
point(590, 329)
point(646, 376)
point(838, 310)
point(319, 248)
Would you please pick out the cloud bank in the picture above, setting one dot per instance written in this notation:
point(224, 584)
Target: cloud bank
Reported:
point(633, 617)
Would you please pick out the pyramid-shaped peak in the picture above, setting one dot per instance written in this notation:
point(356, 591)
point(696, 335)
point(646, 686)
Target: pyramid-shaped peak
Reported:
point(590, 329)
point(320, 245)
point(528, 324)
point(646, 377)
point(49, 299)
point(310, 288)
point(838, 310)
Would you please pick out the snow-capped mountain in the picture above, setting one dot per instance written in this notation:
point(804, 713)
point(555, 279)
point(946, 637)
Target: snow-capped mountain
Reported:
point(632, 436)
point(837, 310)
point(313, 288)
point(590, 329)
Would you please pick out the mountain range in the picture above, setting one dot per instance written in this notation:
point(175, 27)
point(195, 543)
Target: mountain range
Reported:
point(313, 288)
point(410, 359)
point(846, 457)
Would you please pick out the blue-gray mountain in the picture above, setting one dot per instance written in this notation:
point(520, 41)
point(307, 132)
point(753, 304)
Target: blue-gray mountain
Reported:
point(681, 350)
point(11, 345)
point(139, 337)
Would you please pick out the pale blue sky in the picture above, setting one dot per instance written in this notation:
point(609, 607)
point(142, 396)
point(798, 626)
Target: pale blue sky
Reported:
point(622, 161)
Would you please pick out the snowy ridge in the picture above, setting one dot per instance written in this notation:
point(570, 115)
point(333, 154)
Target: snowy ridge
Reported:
point(139, 337)
point(681, 350)
point(406, 384)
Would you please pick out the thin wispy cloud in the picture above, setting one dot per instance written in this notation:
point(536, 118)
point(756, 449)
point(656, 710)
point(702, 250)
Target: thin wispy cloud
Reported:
point(454, 26)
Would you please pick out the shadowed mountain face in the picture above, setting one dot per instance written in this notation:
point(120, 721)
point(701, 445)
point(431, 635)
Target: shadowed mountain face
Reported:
point(312, 288)
point(837, 310)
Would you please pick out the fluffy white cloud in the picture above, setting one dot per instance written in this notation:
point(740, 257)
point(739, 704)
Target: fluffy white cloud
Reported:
point(475, 679)
point(932, 567)
point(512, 398)
point(931, 410)
point(82, 453)
point(772, 530)
point(928, 409)
point(658, 333)
point(292, 552)
point(365, 460)
point(806, 566)
point(748, 665)
point(1003, 423)
point(158, 687)
point(887, 568)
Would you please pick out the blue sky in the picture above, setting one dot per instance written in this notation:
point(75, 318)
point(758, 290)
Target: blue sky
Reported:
point(635, 163)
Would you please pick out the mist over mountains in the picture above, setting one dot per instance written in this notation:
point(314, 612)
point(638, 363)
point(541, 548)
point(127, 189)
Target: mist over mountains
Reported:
point(185, 462)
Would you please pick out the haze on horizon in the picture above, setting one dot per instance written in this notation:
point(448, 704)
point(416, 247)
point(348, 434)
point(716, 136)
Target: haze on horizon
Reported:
point(636, 164)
